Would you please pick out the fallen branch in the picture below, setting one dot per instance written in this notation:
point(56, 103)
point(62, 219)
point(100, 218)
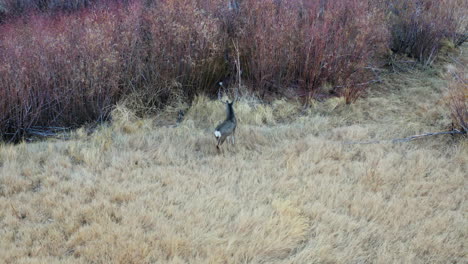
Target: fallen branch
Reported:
point(33, 133)
point(40, 133)
point(359, 84)
point(374, 71)
point(18, 215)
point(407, 139)
point(457, 61)
point(46, 131)
point(51, 128)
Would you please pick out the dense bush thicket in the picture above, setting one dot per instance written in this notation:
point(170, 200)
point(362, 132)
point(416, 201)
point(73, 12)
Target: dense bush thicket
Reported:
point(64, 63)
point(64, 70)
point(457, 96)
point(420, 28)
point(16, 8)
point(308, 43)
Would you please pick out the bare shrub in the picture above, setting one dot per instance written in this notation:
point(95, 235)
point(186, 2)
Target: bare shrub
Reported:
point(418, 28)
point(182, 49)
point(68, 69)
point(62, 71)
point(308, 43)
point(457, 99)
point(16, 8)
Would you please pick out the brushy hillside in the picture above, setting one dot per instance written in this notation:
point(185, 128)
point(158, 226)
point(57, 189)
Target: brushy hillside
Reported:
point(289, 191)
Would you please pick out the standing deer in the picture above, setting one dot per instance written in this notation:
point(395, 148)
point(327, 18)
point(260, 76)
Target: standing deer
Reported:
point(228, 127)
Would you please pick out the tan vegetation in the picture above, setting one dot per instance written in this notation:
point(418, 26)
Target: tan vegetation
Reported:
point(289, 191)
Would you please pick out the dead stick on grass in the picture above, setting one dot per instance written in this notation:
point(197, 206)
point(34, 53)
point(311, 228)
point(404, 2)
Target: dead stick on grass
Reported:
point(407, 139)
point(16, 212)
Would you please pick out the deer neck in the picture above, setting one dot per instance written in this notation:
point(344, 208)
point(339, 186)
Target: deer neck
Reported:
point(230, 113)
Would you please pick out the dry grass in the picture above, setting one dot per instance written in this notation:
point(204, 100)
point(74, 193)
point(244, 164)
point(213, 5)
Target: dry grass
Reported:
point(288, 192)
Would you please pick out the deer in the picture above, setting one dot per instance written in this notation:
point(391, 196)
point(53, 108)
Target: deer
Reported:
point(228, 127)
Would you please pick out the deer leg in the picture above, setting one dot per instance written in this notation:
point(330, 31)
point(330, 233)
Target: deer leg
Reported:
point(218, 146)
point(222, 139)
point(218, 143)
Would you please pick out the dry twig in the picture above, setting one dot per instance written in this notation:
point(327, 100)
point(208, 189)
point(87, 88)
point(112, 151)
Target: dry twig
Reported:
point(407, 139)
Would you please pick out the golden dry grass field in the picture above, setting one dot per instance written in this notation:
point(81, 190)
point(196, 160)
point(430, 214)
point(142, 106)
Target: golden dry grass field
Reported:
point(288, 191)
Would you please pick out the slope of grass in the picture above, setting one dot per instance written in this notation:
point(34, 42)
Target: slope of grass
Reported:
point(289, 191)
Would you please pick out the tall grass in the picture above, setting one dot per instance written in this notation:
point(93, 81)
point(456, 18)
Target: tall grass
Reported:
point(130, 193)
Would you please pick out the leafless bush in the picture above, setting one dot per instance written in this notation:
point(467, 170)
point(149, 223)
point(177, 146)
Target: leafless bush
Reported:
point(457, 99)
point(418, 28)
point(309, 43)
point(62, 71)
